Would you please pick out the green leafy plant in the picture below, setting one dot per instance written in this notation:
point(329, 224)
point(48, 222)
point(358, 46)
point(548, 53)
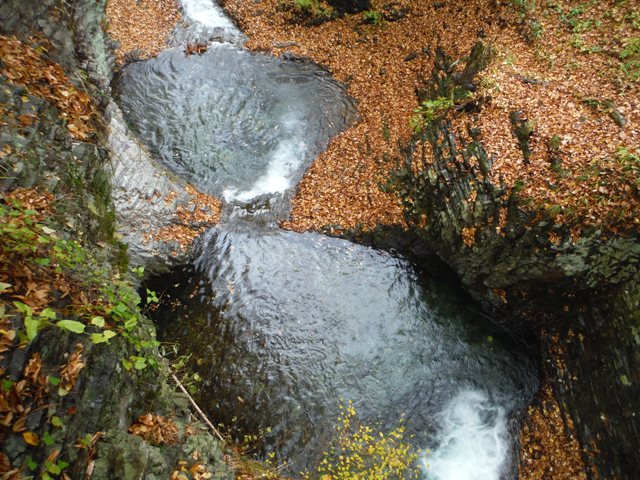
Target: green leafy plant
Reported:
point(183, 367)
point(587, 25)
point(532, 26)
point(630, 56)
point(114, 309)
point(306, 6)
point(630, 163)
point(518, 186)
point(578, 42)
point(35, 322)
point(631, 49)
point(571, 18)
point(428, 111)
point(373, 17)
point(634, 19)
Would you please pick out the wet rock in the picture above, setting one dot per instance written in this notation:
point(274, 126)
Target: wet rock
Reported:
point(145, 195)
point(350, 6)
point(596, 369)
point(586, 289)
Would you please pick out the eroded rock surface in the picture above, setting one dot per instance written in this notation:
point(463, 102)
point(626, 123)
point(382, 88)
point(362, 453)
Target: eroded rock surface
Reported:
point(156, 210)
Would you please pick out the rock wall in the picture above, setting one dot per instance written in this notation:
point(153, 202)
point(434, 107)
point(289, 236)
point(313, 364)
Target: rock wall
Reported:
point(583, 292)
point(595, 364)
point(154, 207)
point(90, 432)
point(148, 198)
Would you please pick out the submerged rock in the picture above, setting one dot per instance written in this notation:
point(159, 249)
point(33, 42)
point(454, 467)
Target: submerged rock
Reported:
point(151, 202)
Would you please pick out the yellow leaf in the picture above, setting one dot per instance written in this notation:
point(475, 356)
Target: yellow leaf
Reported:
point(31, 438)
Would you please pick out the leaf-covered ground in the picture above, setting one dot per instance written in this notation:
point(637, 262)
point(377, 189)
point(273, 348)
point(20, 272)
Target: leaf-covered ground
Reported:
point(141, 27)
point(548, 446)
point(26, 64)
point(566, 65)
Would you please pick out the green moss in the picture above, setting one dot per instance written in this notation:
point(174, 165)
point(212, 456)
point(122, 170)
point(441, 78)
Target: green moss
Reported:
point(312, 11)
point(373, 17)
point(105, 213)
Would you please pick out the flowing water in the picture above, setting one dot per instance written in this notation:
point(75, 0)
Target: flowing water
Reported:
point(288, 326)
point(235, 124)
point(296, 324)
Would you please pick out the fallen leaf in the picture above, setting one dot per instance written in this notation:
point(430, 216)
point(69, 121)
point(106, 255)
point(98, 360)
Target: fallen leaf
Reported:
point(31, 438)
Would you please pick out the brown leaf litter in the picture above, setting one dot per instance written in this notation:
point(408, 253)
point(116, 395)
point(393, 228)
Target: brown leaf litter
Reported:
point(192, 218)
point(155, 429)
point(141, 27)
point(26, 64)
point(384, 65)
point(549, 448)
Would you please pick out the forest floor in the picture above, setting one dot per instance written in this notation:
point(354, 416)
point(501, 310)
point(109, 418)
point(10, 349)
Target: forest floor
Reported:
point(571, 68)
point(568, 66)
point(141, 28)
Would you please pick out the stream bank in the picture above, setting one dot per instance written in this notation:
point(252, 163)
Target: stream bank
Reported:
point(579, 294)
point(69, 399)
point(279, 325)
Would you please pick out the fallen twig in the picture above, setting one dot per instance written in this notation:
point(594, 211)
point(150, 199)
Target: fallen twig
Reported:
point(197, 408)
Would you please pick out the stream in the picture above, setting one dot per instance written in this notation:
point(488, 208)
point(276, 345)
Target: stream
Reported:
point(285, 326)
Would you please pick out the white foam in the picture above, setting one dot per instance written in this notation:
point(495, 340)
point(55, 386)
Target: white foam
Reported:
point(284, 162)
point(473, 440)
point(207, 13)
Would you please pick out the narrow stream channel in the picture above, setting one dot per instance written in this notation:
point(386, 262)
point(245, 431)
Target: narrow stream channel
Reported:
point(288, 326)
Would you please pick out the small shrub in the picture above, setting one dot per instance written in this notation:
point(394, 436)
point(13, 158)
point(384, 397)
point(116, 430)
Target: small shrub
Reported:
point(372, 17)
point(428, 111)
point(533, 28)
